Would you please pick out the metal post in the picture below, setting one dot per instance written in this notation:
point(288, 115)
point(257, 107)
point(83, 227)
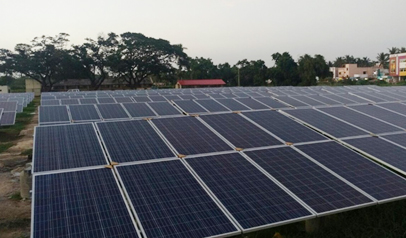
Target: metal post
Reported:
point(238, 76)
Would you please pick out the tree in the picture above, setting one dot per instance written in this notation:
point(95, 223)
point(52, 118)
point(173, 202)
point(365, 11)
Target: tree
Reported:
point(402, 50)
point(94, 58)
point(309, 68)
point(393, 50)
point(383, 59)
point(201, 68)
point(285, 70)
point(135, 57)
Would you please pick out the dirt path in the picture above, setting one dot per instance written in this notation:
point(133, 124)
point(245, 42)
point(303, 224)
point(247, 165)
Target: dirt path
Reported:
point(15, 214)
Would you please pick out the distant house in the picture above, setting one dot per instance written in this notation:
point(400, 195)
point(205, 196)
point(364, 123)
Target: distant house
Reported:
point(352, 70)
point(33, 86)
point(4, 89)
point(198, 83)
point(397, 66)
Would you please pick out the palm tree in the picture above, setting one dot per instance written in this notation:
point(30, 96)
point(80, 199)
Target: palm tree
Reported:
point(383, 59)
point(402, 50)
point(393, 50)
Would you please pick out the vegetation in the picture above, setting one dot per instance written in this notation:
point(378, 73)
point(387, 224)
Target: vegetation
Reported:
point(132, 57)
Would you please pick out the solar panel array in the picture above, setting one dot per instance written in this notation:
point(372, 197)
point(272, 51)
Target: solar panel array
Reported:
point(212, 162)
point(11, 104)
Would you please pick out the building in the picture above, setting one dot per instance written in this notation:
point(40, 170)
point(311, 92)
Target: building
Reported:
point(397, 66)
point(198, 83)
point(4, 89)
point(353, 71)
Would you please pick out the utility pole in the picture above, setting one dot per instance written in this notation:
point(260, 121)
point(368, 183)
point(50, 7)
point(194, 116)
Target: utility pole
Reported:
point(238, 76)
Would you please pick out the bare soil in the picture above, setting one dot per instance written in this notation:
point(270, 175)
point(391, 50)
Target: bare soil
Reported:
point(15, 214)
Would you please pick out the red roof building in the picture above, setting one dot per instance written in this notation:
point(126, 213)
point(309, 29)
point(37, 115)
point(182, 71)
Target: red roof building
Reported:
point(194, 83)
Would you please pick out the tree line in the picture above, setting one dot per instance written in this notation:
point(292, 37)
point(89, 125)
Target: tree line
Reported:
point(132, 57)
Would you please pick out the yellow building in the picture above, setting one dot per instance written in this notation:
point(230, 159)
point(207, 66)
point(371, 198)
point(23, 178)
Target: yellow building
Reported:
point(33, 86)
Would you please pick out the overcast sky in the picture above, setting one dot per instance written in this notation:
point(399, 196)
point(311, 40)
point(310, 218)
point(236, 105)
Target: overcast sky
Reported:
point(223, 30)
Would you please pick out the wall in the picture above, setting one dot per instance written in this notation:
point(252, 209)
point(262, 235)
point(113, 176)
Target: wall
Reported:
point(33, 86)
point(4, 89)
point(402, 65)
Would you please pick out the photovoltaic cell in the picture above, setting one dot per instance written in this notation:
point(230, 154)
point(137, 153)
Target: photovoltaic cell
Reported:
point(187, 97)
point(324, 100)
point(172, 97)
point(398, 139)
point(128, 141)
point(164, 108)
point(397, 107)
point(232, 104)
point(7, 118)
point(190, 106)
point(291, 101)
point(157, 98)
point(372, 98)
point(250, 196)
point(319, 189)
point(189, 136)
point(326, 123)
point(308, 100)
point(354, 98)
point(50, 102)
point(80, 204)
point(271, 102)
point(112, 111)
point(212, 106)
point(9, 106)
point(283, 127)
point(139, 110)
point(69, 101)
point(53, 114)
point(339, 99)
point(201, 96)
point(360, 120)
point(251, 103)
point(382, 114)
point(360, 171)
point(106, 100)
point(383, 150)
point(84, 113)
point(142, 99)
point(123, 99)
point(66, 147)
point(88, 101)
point(170, 203)
point(239, 131)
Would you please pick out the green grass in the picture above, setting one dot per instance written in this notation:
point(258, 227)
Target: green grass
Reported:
point(16, 196)
point(5, 146)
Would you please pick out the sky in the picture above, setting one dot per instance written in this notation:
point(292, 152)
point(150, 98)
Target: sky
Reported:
point(223, 30)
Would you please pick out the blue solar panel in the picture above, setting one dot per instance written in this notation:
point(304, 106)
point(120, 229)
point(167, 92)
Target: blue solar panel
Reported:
point(271, 102)
point(382, 114)
point(112, 111)
point(337, 98)
point(232, 104)
point(88, 101)
point(251, 103)
point(398, 139)
point(212, 106)
point(80, 204)
point(319, 189)
point(123, 99)
point(291, 101)
point(157, 98)
point(283, 127)
point(250, 196)
point(370, 97)
point(187, 97)
point(9, 106)
point(164, 108)
point(66, 147)
point(326, 123)
point(201, 96)
point(308, 100)
point(383, 150)
point(365, 174)
point(69, 101)
point(139, 110)
point(190, 106)
point(84, 113)
point(172, 97)
point(53, 114)
point(106, 100)
point(189, 136)
point(397, 107)
point(50, 102)
point(239, 131)
point(128, 141)
point(170, 203)
point(360, 120)
point(8, 118)
point(142, 99)
point(354, 98)
point(324, 100)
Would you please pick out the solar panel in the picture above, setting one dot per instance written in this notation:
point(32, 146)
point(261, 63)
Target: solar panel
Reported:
point(382, 114)
point(157, 98)
point(307, 100)
point(50, 102)
point(339, 99)
point(232, 104)
point(80, 204)
point(172, 97)
point(318, 188)
point(212, 106)
point(66, 146)
point(84, 113)
point(383, 150)
point(8, 106)
point(251, 103)
point(291, 101)
point(201, 96)
point(139, 110)
point(397, 107)
point(375, 180)
point(106, 100)
point(112, 111)
point(142, 99)
point(354, 98)
point(271, 102)
point(324, 100)
point(47, 97)
point(239, 131)
point(164, 108)
point(249, 195)
point(128, 141)
point(53, 114)
point(283, 127)
point(123, 99)
point(69, 101)
point(216, 96)
point(7, 118)
point(187, 97)
point(326, 123)
point(169, 202)
point(20, 108)
point(360, 120)
point(370, 97)
point(398, 139)
point(189, 136)
point(228, 95)
point(190, 106)
point(88, 101)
